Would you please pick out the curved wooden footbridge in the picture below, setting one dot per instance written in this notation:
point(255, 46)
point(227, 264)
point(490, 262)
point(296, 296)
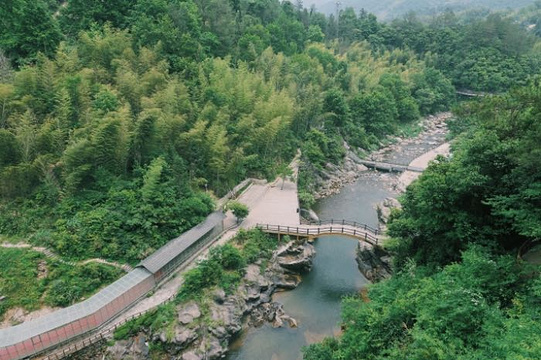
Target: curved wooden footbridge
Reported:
point(324, 228)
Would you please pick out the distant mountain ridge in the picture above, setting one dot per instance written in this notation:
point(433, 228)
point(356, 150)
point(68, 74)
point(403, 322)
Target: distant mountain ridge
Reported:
point(390, 9)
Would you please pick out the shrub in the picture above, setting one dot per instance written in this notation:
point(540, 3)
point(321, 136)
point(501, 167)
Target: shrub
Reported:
point(238, 209)
point(228, 256)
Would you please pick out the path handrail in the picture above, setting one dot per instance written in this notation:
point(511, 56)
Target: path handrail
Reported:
point(345, 222)
point(357, 232)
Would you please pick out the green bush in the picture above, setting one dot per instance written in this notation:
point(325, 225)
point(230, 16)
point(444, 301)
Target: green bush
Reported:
point(225, 265)
point(239, 210)
point(207, 273)
point(228, 256)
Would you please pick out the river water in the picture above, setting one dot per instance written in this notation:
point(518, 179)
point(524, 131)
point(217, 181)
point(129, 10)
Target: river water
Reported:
point(315, 303)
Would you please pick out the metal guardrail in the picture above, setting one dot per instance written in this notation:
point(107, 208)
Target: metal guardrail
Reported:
point(357, 232)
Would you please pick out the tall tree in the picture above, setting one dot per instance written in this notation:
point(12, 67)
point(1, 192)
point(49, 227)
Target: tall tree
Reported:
point(27, 28)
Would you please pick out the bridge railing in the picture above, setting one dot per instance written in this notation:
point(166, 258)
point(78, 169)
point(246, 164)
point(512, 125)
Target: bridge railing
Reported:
point(339, 229)
point(345, 222)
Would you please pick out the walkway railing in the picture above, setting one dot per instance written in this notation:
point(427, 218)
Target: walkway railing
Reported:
point(315, 231)
point(345, 222)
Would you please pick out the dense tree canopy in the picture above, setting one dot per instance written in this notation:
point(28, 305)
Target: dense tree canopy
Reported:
point(109, 137)
point(120, 120)
point(488, 193)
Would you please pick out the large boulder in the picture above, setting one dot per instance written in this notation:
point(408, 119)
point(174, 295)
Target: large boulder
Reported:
point(297, 259)
point(373, 261)
point(227, 315)
point(133, 349)
point(385, 207)
point(184, 337)
point(191, 355)
point(188, 312)
point(213, 348)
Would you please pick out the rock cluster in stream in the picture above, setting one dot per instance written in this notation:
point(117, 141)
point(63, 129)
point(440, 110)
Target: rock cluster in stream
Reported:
point(434, 127)
point(205, 334)
point(330, 180)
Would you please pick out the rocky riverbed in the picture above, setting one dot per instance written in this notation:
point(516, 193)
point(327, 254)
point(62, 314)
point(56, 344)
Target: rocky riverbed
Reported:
point(333, 178)
point(204, 330)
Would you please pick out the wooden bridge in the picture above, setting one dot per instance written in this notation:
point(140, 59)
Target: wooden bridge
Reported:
point(324, 228)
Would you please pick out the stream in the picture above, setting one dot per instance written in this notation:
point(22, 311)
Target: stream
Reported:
point(315, 303)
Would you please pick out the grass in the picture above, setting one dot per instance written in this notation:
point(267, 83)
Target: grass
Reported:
point(57, 285)
point(19, 281)
point(410, 130)
point(10, 239)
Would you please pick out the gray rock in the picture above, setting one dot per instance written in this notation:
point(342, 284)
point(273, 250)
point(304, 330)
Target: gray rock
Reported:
point(135, 349)
point(220, 332)
point(184, 337)
point(391, 203)
point(278, 322)
point(191, 355)
point(264, 298)
point(290, 321)
point(373, 262)
point(214, 349)
point(299, 259)
point(309, 214)
point(188, 313)
point(163, 337)
point(218, 296)
point(383, 213)
point(252, 293)
point(285, 281)
point(361, 168)
point(228, 316)
point(252, 273)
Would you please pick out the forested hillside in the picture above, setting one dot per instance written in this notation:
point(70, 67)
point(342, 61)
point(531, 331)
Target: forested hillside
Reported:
point(119, 120)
